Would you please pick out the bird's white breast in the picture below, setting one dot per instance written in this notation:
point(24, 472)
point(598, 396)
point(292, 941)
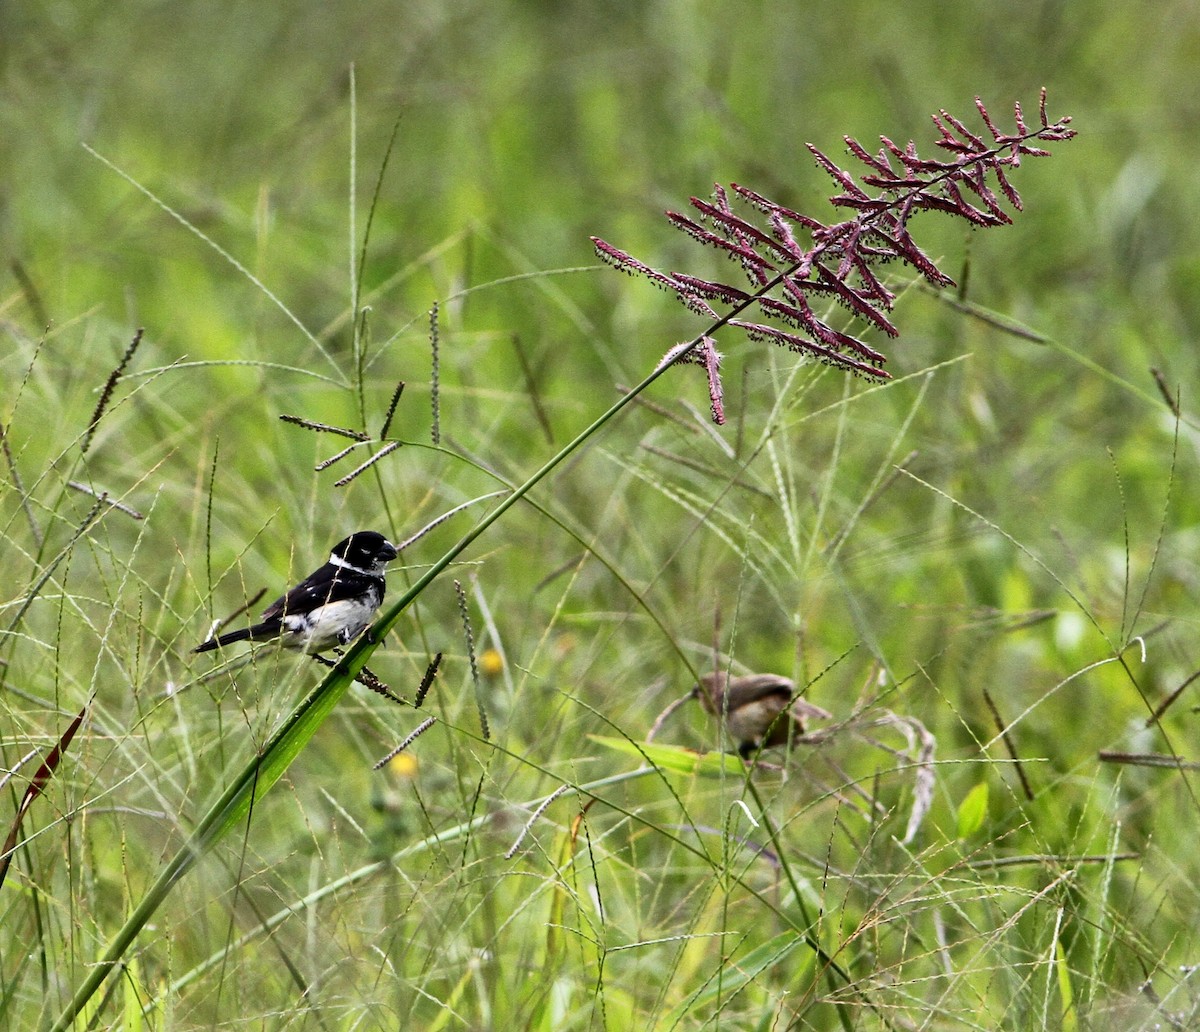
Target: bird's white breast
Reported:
point(335, 623)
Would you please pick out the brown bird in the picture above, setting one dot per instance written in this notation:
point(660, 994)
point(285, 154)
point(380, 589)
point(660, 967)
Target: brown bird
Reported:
point(760, 710)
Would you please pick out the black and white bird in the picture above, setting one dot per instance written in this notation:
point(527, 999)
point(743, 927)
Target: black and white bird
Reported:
point(331, 606)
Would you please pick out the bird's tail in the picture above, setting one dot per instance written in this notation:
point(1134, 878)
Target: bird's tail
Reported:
point(245, 634)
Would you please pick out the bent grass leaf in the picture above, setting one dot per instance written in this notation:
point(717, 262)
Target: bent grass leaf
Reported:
point(37, 784)
point(972, 811)
point(676, 759)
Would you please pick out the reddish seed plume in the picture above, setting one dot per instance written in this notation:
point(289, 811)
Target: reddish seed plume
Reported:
point(840, 261)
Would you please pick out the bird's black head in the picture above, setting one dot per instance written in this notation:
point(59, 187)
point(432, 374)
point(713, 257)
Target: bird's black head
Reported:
point(365, 550)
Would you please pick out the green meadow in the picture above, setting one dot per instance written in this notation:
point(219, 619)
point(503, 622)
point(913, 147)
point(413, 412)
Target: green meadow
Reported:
point(275, 273)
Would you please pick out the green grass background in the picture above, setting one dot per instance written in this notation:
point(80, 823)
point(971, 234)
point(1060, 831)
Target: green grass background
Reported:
point(1049, 519)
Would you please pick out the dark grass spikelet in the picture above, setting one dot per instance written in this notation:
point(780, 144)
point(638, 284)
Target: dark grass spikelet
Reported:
point(387, 449)
point(370, 680)
point(110, 385)
point(324, 464)
point(464, 612)
point(427, 681)
point(325, 428)
point(437, 521)
point(512, 851)
point(365, 676)
point(391, 410)
point(839, 261)
point(420, 729)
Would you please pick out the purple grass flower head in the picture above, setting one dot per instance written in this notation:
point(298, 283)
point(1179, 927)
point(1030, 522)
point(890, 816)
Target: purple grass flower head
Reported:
point(800, 269)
